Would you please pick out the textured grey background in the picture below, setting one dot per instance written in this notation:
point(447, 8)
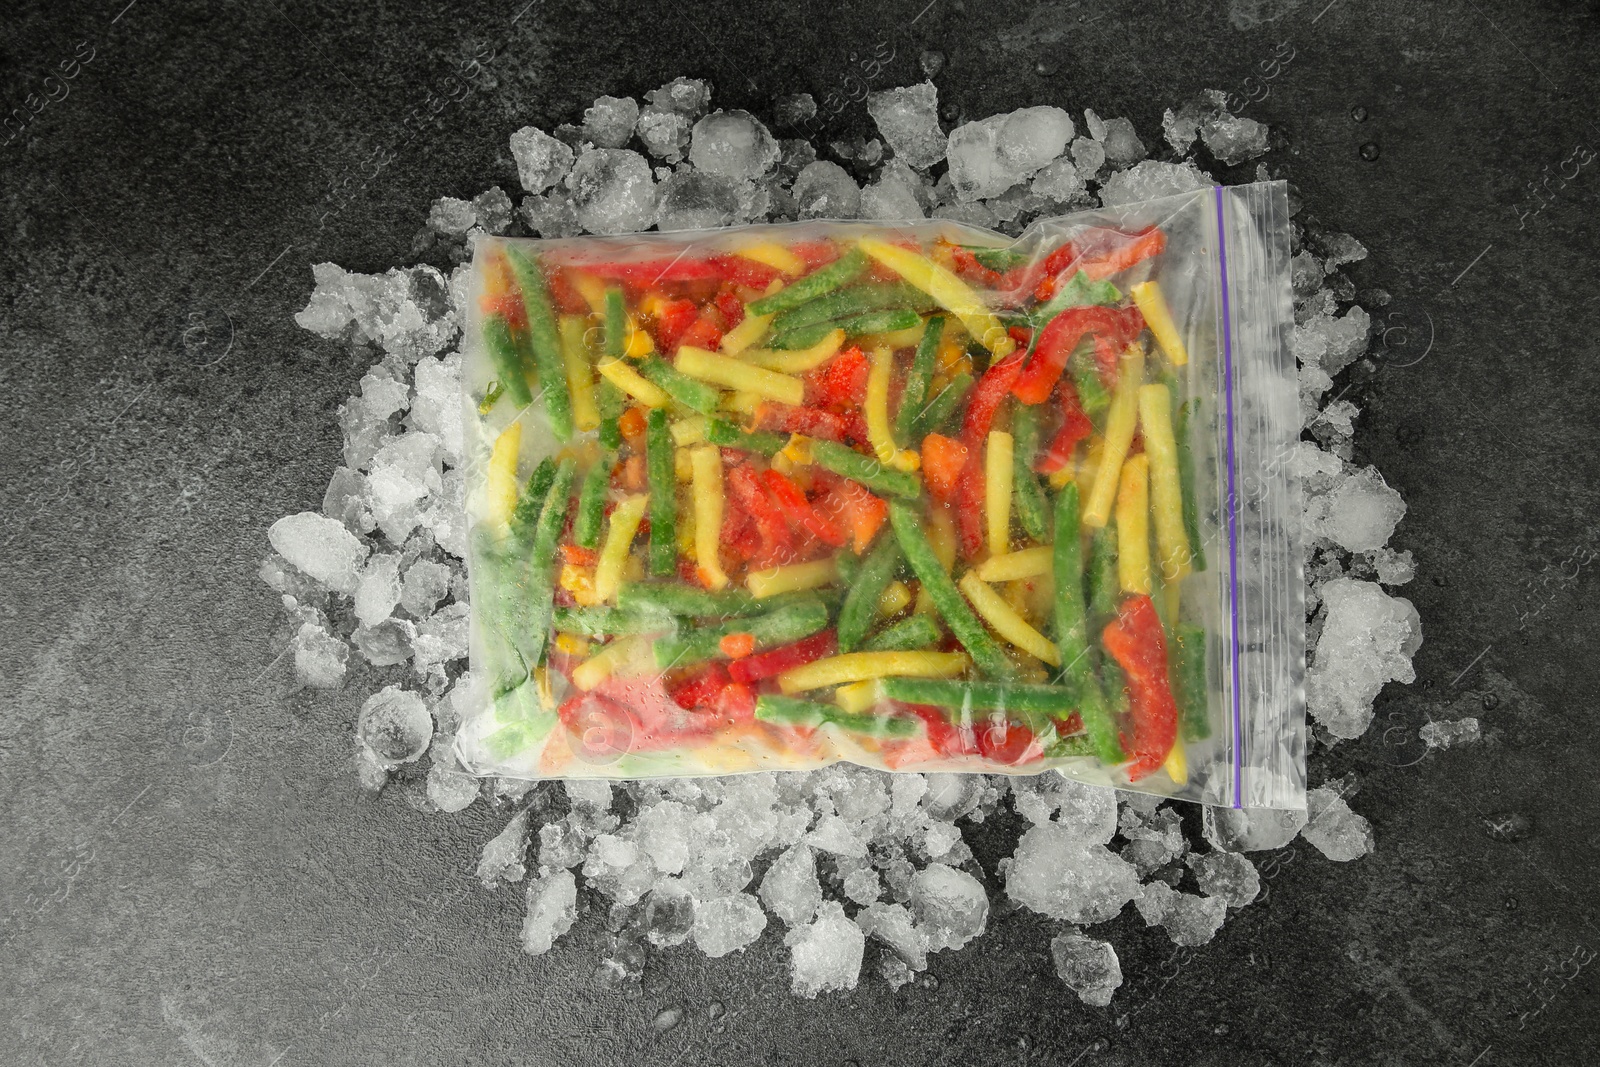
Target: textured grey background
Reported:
point(187, 873)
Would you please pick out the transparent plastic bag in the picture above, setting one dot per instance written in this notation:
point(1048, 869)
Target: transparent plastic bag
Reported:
point(735, 505)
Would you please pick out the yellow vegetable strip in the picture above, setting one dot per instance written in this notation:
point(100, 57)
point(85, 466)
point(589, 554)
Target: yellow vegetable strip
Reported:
point(608, 572)
point(593, 291)
point(775, 256)
point(894, 598)
point(736, 374)
point(909, 337)
point(1121, 421)
point(1166, 494)
point(682, 466)
point(947, 290)
point(633, 383)
point(998, 473)
point(790, 579)
point(1012, 565)
point(707, 463)
point(1158, 316)
point(580, 377)
point(857, 697)
point(862, 666)
point(879, 436)
point(1177, 766)
point(797, 360)
point(751, 329)
point(1133, 526)
point(1005, 620)
point(603, 664)
point(690, 431)
point(742, 402)
point(500, 479)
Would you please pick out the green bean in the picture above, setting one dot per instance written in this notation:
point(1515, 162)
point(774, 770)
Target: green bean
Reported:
point(541, 587)
point(1054, 701)
point(530, 504)
point(1102, 573)
point(917, 378)
point(1186, 483)
point(546, 343)
point(875, 725)
point(1072, 746)
point(1189, 681)
point(947, 601)
point(675, 598)
point(604, 621)
point(791, 711)
point(1072, 629)
point(1093, 395)
point(848, 463)
point(883, 321)
point(726, 435)
point(663, 482)
point(616, 324)
point(507, 360)
point(611, 403)
point(1031, 506)
point(592, 505)
point(852, 301)
point(779, 627)
point(820, 281)
point(866, 586)
point(938, 410)
point(696, 395)
point(915, 632)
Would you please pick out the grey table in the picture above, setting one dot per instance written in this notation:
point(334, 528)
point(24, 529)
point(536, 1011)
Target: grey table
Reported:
point(187, 871)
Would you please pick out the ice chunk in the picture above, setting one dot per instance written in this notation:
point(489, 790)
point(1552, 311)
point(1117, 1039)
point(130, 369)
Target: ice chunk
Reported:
point(790, 889)
point(795, 108)
point(908, 119)
point(346, 500)
point(1360, 512)
point(889, 201)
point(386, 644)
point(727, 924)
point(609, 123)
point(665, 133)
point(894, 926)
point(561, 845)
point(406, 312)
point(1059, 182)
point(1442, 733)
point(971, 214)
point(950, 905)
point(1228, 875)
point(1336, 831)
point(1059, 876)
point(593, 793)
point(1332, 343)
point(449, 787)
point(824, 190)
point(686, 96)
point(693, 200)
point(1089, 967)
point(1394, 568)
point(1368, 638)
point(378, 590)
point(668, 914)
point(950, 796)
point(733, 145)
point(825, 955)
point(665, 832)
point(552, 909)
point(1233, 139)
point(1151, 180)
point(502, 855)
point(1122, 145)
point(1340, 249)
point(863, 885)
point(613, 191)
point(394, 725)
point(446, 516)
point(831, 834)
point(1088, 813)
point(905, 790)
point(405, 471)
point(542, 161)
point(425, 584)
point(976, 168)
point(1088, 155)
point(1251, 829)
point(1030, 137)
point(1188, 920)
point(437, 407)
point(319, 657)
point(551, 216)
point(451, 217)
point(320, 547)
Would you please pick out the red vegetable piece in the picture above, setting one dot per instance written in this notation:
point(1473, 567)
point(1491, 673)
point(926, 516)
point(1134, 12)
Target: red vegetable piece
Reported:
point(1061, 335)
point(1007, 742)
point(672, 321)
point(944, 737)
point(812, 422)
point(1135, 640)
point(986, 398)
point(772, 663)
point(706, 330)
point(701, 688)
point(798, 510)
point(777, 547)
point(1075, 426)
point(839, 383)
point(943, 459)
point(737, 645)
point(731, 306)
point(853, 507)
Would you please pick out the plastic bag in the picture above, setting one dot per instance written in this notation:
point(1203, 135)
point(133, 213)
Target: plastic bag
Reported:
point(770, 497)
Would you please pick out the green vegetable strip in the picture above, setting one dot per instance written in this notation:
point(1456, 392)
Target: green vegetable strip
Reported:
point(790, 711)
point(916, 632)
point(663, 494)
point(541, 587)
point(546, 342)
point(917, 379)
point(1031, 506)
point(848, 463)
point(852, 301)
point(942, 406)
point(1091, 393)
point(727, 435)
point(1189, 681)
point(675, 598)
point(603, 621)
point(1069, 747)
point(699, 396)
point(1102, 576)
point(1076, 293)
point(611, 402)
point(1191, 506)
point(1072, 630)
point(875, 725)
point(846, 565)
point(788, 623)
point(855, 326)
point(997, 259)
point(616, 324)
point(513, 375)
point(1052, 700)
point(947, 601)
point(868, 584)
point(592, 506)
point(820, 281)
point(531, 503)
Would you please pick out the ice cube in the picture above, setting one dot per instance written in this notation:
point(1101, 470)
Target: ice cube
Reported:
point(1368, 638)
point(693, 200)
point(889, 201)
point(449, 787)
point(905, 791)
point(1442, 733)
point(378, 590)
point(666, 834)
point(831, 834)
point(795, 108)
point(319, 657)
point(894, 926)
point(425, 584)
point(502, 858)
point(542, 161)
point(1088, 156)
point(561, 845)
point(1089, 967)
point(386, 644)
point(686, 96)
point(790, 889)
point(1359, 512)
point(1336, 831)
point(1059, 182)
point(552, 909)
point(1088, 813)
point(394, 725)
point(727, 924)
point(825, 955)
point(1340, 249)
point(908, 119)
point(1030, 137)
point(733, 145)
point(346, 500)
point(668, 914)
point(451, 217)
point(446, 516)
point(1394, 568)
point(319, 547)
point(665, 133)
point(1151, 180)
point(551, 216)
point(1228, 875)
point(592, 793)
point(1122, 144)
point(863, 885)
point(1332, 343)
point(613, 190)
point(1233, 139)
point(437, 407)
point(977, 170)
point(1251, 829)
point(609, 123)
point(492, 207)
point(950, 796)
point(951, 906)
point(1057, 875)
point(824, 190)
point(1189, 920)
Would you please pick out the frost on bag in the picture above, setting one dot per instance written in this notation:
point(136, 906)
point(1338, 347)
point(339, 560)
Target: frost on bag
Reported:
point(917, 497)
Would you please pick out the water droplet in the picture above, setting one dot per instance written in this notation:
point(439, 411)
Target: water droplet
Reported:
point(1358, 113)
point(667, 1019)
point(931, 61)
point(1046, 67)
point(930, 982)
point(1369, 151)
point(715, 1010)
point(1490, 702)
point(1512, 903)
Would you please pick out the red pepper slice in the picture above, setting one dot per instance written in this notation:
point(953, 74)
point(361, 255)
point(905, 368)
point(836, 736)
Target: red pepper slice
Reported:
point(798, 510)
point(1008, 742)
point(839, 383)
point(705, 331)
point(944, 737)
point(1075, 426)
point(815, 254)
point(671, 320)
point(772, 663)
point(782, 418)
point(731, 306)
point(701, 688)
point(739, 534)
point(852, 506)
point(986, 398)
point(777, 547)
point(968, 267)
point(969, 508)
point(747, 272)
point(1062, 334)
point(655, 271)
point(1136, 642)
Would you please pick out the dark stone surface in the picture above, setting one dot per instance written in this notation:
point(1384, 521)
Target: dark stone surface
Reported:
point(187, 871)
